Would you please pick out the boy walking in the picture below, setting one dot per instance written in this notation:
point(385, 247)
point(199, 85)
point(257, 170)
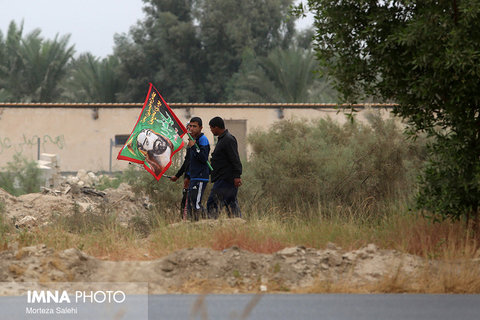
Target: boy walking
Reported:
point(197, 171)
point(227, 169)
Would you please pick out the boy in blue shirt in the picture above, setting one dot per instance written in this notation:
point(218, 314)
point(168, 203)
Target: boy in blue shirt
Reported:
point(198, 171)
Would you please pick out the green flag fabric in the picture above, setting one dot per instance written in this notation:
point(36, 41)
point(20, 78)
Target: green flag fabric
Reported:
point(156, 137)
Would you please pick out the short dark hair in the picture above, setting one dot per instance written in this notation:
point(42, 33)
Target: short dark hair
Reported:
point(217, 122)
point(197, 120)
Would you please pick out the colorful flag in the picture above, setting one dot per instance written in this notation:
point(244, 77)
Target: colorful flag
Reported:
point(156, 137)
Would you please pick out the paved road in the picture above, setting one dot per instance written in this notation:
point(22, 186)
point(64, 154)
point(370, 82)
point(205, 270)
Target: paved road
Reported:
point(324, 307)
point(265, 307)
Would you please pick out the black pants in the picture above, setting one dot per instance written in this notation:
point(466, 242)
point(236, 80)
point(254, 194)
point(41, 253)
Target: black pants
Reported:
point(194, 197)
point(223, 194)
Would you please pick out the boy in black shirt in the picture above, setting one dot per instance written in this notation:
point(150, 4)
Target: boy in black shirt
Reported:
point(227, 169)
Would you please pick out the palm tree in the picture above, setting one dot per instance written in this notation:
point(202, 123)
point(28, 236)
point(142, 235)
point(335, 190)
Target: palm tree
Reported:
point(285, 75)
point(32, 68)
point(10, 62)
point(93, 80)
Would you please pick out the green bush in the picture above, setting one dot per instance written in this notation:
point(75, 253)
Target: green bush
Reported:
point(164, 195)
point(302, 164)
point(103, 218)
point(107, 182)
point(5, 227)
point(21, 176)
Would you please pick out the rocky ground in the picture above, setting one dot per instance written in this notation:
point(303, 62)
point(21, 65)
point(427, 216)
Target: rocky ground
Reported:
point(294, 269)
point(205, 270)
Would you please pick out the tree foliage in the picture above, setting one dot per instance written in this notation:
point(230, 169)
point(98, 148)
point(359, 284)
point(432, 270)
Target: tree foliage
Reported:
point(93, 80)
point(285, 75)
point(164, 49)
point(425, 56)
point(31, 68)
point(192, 48)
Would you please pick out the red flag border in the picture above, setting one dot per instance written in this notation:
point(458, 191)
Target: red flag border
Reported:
point(120, 157)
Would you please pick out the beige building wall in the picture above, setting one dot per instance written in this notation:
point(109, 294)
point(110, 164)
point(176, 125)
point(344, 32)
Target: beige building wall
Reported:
point(81, 135)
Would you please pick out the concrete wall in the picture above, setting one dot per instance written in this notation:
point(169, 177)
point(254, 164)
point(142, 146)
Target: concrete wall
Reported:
point(81, 134)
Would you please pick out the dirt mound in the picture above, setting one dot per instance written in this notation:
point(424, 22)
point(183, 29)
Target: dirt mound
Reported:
point(37, 209)
point(188, 270)
point(230, 270)
point(6, 197)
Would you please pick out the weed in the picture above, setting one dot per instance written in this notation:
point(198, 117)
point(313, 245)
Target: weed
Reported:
point(140, 225)
point(5, 227)
point(277, 285)
point(16, 269)
point(249, 238)
point(107, 182)
point(21, 176)
point(26, 238)
point(88, 221)
point(276, 268)
point(144, 224)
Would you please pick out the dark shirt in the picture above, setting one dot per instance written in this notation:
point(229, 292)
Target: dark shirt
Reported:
point(225, 159)
point(198, 167)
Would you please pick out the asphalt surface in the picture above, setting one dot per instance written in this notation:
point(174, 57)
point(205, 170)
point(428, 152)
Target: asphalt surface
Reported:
point(264, 307)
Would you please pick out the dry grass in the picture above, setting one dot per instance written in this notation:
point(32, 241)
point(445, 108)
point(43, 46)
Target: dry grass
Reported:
point(440, 277)
point(255, 236)
point(203, 286)
point(246, 238)
point(452, 261)
point(452, 255)
point(109, 243)
point(16, 269)
point(417, 235)
point(404, 232)
point(55, 263)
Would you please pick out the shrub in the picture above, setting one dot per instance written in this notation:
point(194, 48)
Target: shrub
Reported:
point(5, 227)
point(87, 222)
point(164, 195)
point(300, 164)
point(21, 176)
point(107, 182)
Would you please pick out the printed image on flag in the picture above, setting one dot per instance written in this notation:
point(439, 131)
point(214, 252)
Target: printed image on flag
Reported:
point(156, 137)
